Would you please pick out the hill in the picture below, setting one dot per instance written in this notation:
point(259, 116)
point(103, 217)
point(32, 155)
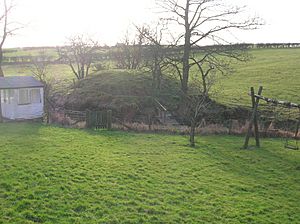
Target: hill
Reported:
point(128, 92)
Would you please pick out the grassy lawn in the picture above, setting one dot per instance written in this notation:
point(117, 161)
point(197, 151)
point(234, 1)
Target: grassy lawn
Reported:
point(55, 175)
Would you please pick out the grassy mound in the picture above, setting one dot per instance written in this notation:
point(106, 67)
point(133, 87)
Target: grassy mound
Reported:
point(120, 90)
point(56, 175)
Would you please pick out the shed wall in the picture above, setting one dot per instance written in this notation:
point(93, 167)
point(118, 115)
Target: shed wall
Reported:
point(12, 110)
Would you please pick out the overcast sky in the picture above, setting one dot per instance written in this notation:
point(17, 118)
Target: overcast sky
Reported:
point(50, 22)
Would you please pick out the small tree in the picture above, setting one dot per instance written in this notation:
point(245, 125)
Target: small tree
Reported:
point(40, 70)
point(194, 106)
point(79, 54)
point(154, 52)
point(128, 53)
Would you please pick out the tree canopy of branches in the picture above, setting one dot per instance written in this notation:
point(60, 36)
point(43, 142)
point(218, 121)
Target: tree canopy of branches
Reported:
point(40, 70)
point(128, 53)
point(79, 54)
point(154, 52)
point(7, 28)
point(198, 22)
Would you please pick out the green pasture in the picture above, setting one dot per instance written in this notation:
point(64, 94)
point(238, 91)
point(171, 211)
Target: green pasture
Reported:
point(277, 70)
point(55, 175)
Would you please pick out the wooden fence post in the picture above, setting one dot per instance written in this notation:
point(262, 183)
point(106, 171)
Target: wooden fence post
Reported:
point(149, 121)
point(256, 131)
point(253, 119)
point(87, 119)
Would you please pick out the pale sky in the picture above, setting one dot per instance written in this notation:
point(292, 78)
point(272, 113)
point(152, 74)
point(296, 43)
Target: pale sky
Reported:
point(50, 22)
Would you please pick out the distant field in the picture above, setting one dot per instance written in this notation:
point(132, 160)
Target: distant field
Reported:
point(55, 175)
point(278, 70)
point(19, 52)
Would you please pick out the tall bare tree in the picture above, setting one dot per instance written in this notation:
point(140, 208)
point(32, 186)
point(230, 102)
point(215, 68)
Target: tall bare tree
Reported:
point(79, 54)
point(199, 22)
point(7, 27)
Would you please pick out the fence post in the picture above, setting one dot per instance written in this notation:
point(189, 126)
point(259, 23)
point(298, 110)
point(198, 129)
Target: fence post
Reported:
point(87, 118)
point(1, 117)
point(253, 118)
point(149, 121)
point(109, 119)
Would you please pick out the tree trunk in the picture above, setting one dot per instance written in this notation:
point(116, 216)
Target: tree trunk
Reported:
point(186, 51)
point(192, 134)
point(1, 59)
point(1, 71)
point(204, 84)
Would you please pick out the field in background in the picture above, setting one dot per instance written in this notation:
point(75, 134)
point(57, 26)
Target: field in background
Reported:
point(56, 175)
point(278, 70)
point(35, 51)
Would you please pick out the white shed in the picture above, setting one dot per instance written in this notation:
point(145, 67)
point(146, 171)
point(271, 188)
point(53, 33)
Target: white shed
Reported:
point(22, 97)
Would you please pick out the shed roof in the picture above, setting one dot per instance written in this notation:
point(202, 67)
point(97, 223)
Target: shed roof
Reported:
point(17, 82)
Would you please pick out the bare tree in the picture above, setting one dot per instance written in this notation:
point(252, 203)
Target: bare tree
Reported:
point(154, 52)
point(194, 107)
point(7, 27)
point(201, 21)
point(79, 54)
point(40, 70)
point(128, 53)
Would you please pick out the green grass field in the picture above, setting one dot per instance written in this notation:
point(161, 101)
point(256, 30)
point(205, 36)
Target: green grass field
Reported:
point(54, 175)
point(277, 70)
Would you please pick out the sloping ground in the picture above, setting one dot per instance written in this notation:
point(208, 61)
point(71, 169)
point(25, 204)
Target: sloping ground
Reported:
point(277, 70)
point(56, 175)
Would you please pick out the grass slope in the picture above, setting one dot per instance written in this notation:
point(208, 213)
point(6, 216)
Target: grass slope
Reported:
point(278, 70)
point(55, 175)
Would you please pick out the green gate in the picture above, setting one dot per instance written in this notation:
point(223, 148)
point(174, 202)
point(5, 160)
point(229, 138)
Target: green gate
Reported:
point(98, 119)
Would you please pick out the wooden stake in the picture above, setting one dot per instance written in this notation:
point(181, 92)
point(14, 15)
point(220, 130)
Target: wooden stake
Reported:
point(253, 119)
point(109, 119)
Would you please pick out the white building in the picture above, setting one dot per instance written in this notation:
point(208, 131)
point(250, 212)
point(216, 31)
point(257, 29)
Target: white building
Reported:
point(22, 97)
